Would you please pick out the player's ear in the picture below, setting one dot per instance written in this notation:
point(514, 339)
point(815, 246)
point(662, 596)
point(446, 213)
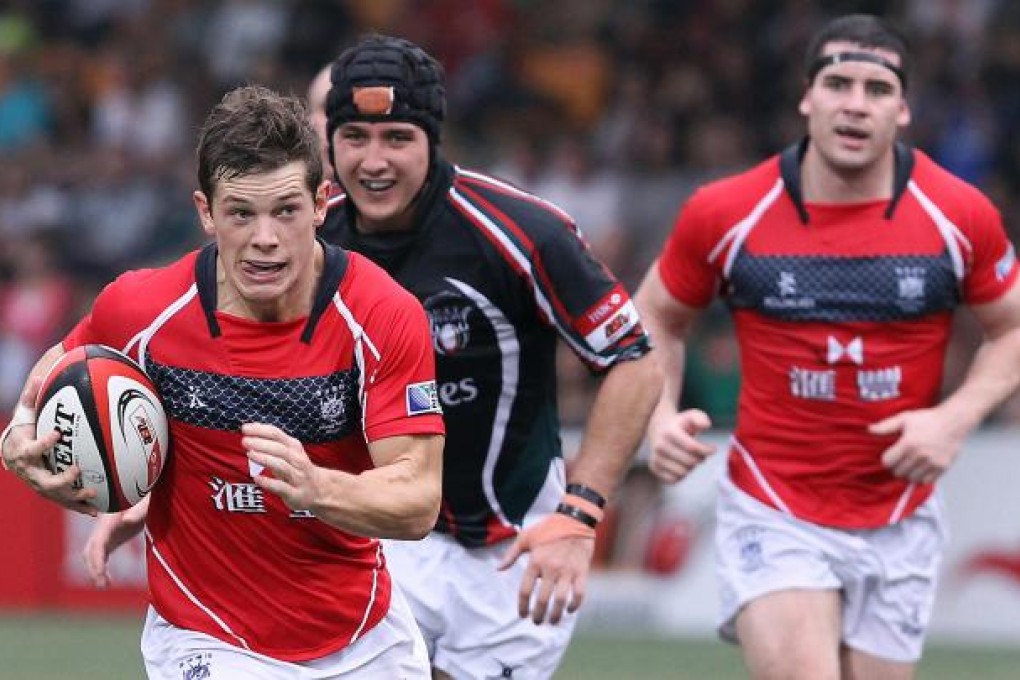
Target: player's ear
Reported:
point(204, 210)
point(903, 117)
point(322, 202)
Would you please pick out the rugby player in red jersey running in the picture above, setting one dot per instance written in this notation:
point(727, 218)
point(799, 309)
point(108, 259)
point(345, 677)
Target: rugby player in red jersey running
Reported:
point(841, 260)
point(299, 382)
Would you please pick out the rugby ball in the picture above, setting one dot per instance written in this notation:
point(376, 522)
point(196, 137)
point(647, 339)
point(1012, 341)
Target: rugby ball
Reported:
point(111, 421)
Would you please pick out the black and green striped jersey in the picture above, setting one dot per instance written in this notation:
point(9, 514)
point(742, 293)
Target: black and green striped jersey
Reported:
point(503, 275)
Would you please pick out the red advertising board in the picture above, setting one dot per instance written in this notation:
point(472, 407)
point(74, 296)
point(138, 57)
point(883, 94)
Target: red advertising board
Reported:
point(41, 563)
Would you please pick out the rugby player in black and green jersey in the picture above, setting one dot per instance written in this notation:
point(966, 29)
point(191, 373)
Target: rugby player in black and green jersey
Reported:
point(503, 276)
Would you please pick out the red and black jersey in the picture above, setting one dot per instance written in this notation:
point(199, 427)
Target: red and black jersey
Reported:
point(225, 558)
point(842, 314)
point(503, 275)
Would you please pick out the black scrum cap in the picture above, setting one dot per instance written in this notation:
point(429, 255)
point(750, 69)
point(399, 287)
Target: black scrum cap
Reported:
point(383, 78)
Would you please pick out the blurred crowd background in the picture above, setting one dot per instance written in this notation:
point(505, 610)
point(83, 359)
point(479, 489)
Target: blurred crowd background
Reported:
point(614, 109)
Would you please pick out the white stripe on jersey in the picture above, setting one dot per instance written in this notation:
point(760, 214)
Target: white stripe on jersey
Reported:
point(143, 336)
point(897, 513)
point(951, 234)
point(509, 353)
point(375, 590)
point(759, 477)
point(191, 596)
point(510, 188)
point(361, 339)
point(522, 261)
point(738, 233)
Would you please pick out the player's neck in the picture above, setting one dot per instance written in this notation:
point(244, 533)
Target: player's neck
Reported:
point(824, 182)
point(295, 303)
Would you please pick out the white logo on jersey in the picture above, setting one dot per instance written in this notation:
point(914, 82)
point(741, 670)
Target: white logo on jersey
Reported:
point(450, 329)
point(455, 393)
point(911, 283)
point(787, 284)
point(195, 398)
point(236, 497)
point(331, 408)
point(853, 350)
point(788, 297)
point(808, 384)
point(880, 384)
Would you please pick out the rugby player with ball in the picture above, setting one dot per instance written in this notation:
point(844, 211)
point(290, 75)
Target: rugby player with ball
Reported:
point(299, 384)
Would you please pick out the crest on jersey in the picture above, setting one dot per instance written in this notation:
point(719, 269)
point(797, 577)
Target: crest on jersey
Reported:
point(448, 322)
point(910, 287)
point(331, 406)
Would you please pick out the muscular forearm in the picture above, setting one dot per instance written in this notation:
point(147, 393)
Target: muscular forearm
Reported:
point(616, 424)
point(397, 500)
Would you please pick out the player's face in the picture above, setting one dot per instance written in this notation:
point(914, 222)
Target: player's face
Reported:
point(855, 109)
point(264, 224)
point(317, 93)
point(382, 167)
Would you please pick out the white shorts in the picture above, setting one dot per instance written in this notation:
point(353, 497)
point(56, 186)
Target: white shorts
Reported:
point(392, 649)
point(467, 610)
point(887, 575)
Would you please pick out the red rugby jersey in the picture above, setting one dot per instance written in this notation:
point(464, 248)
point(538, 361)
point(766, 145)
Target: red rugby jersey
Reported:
point(842, 314)
point(224, 557)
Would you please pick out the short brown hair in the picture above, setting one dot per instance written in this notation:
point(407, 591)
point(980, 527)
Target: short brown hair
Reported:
point(254, 129)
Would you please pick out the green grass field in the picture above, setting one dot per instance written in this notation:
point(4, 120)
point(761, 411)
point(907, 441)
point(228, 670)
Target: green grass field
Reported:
point(69, 648)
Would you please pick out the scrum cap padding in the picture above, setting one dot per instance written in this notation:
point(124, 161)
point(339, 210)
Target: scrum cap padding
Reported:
point(387, 79)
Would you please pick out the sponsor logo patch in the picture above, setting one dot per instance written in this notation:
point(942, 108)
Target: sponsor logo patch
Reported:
point(1005, 264)
point(789, 296)
point(880, 384)
point(811, 384)
point(613, 327)
point(423, 398)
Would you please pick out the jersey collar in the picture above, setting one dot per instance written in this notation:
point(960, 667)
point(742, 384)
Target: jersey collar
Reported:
point(790, 170)
point(335, 261)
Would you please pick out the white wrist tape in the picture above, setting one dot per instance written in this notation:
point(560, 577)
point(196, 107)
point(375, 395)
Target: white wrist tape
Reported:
point(23, 415)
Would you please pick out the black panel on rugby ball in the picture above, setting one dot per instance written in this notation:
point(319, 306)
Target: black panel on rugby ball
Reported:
point(76, 375)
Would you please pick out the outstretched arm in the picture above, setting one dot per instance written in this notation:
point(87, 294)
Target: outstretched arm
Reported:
point(930, 439)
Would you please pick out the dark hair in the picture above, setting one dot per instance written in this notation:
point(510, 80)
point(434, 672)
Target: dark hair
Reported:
point(254, 129)
point(865, 30)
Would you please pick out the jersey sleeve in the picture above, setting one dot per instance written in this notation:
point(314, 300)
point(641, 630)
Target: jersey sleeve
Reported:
point(684, 265)
point(993, 268)
point(583, 301)
point(99, 325)
point(401, 397)
point(110, 320)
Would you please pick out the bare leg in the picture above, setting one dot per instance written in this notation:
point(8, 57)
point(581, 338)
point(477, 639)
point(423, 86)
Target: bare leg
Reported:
point(792, 635)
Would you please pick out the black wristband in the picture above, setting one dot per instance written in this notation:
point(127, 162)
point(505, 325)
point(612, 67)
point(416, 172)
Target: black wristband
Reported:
point(587, 493)
point(577, 513)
